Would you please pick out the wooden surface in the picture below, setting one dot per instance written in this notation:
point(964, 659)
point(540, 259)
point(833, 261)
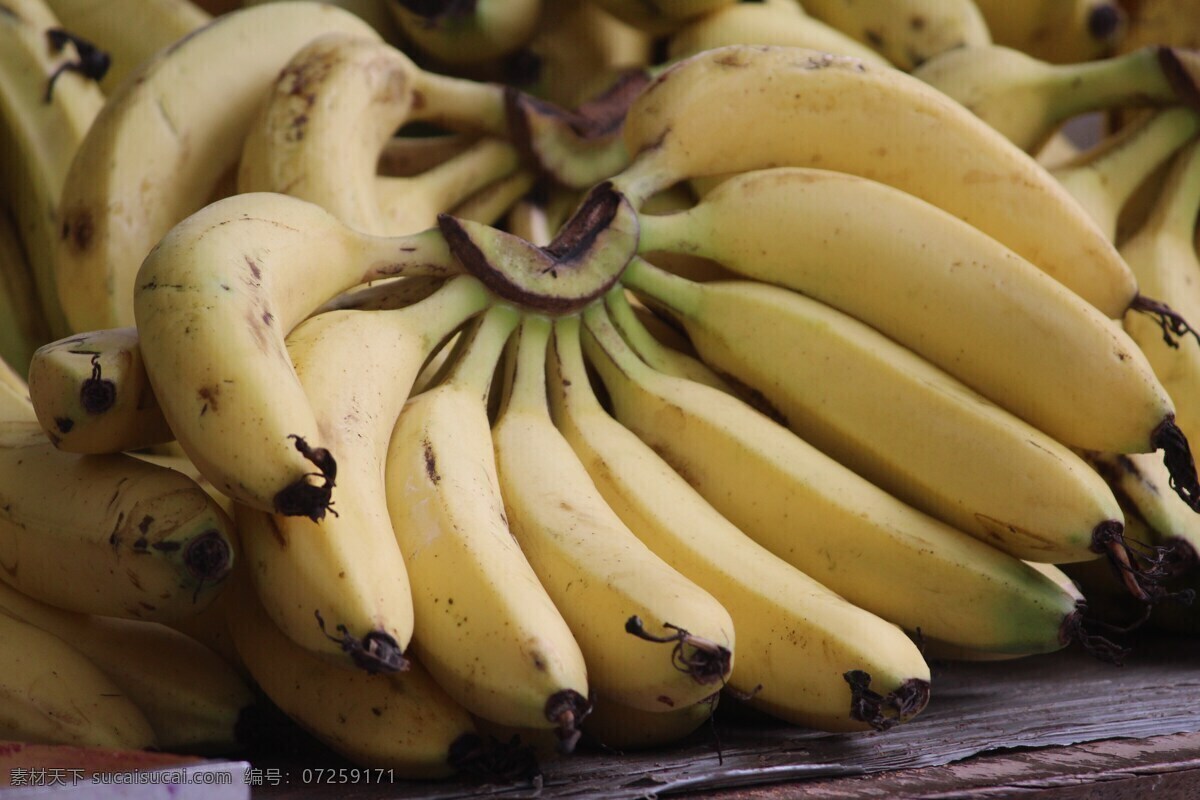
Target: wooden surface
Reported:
point(1002, 709)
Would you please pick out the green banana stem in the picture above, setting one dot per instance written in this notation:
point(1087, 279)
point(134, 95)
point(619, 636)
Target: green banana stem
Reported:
point(1179, 199)
point(1163, 74)
point(679, 295)
point(476, 366)
point(525, 380)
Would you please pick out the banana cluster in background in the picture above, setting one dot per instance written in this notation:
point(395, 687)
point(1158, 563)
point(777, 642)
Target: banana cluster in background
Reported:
point(462, 377)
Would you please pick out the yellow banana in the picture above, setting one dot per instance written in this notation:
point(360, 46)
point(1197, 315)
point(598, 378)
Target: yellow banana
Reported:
point(839, 529)
point(50, 693)
point(660, 16)
point(22, 326)
point(1062, 31)
point(374, 12)
point(485, 628)
point(796, 639)
point(608, 585)
point(16, 409)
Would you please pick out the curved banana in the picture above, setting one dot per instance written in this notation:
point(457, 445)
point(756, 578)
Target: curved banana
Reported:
point(374, 12)
point(906, 32)
point(46, 108)
point(467, 33)
point(660, 16)
point(1026, 99)
point(339, 586)
point(836, 527)
point(608, 585)
point(765, 23)
point(357, 92)
point(50, 693)
point(617, 727)
point(106, 23)
point(401, 721)
point(16, 409)
point(92, 395)
point(796, 639)
point(1061, 31)
point(161, 146)
point(939, 287)
point(485, 628)
point(191, 697)
point(894, 418)
point(22, 325)
point(931, 147)
point(109, 535)
point(243, 272)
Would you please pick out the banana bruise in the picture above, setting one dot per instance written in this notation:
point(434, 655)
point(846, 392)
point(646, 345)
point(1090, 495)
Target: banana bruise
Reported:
point(819, 110)
point(161, 145)
point(192, 698)
point(92, 395)
point(241, 274)
point(485, 627)
point(339, 586)
point(945, 290)
point(467, 33)
point(50, 693)
point(47, 104)
point(892, 417)
point(796, 638)
point(610, 587)
point(400, 720)
point(836, 527)
point(331, 112)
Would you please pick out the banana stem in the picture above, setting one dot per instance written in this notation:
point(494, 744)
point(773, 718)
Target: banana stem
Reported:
point(460, 104)
point(1177, 456)
point(460, 176)
point(489, 203)
point(423, 253)
point(1175, 212)
point(669, 233)
point(525, 381)
point(679, 295)
point(1158, 74)
point(476, 367)
point(607, 351)
point(568, 361)
point(703, 659)
point(883, 711)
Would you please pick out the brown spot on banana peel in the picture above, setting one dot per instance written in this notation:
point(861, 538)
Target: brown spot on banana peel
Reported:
point(79, 229)
point(430, 462)
point(882, 712)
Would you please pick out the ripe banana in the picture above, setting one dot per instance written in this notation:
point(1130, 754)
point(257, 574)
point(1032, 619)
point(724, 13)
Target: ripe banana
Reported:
point(1062, 31)
point(401, 721)
point(109, 535)
point(621, 728)
point(764, 23)
point(796, 639)
point(894, 418)
point(191, 697)
point(605, 581)
point(16, 409)
point(907, 32)
point(162, 144)
point(92, 395)
point(50, 693)
point(660, 16)
point(485, 628)
point(373, 12)
point(1170, 22)
point(243, 272)
point(836, 527)
point(812, 109)
point(1026, 99)
point(467, 33)
point(22, 326)
point(331, 112)
point(1105, 178)
point(107, 24)
point(46, 109)
point(939, 287)
point(339, 586)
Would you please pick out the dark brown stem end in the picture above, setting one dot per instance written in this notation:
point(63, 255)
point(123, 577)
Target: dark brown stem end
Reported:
point(1177, 456)
point(304, 499)
point(376, 652)
point(705, 660)
point(883, 711)
point(566, 709)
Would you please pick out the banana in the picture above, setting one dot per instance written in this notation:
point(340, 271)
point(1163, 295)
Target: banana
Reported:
point(812, 109)
point(467, 33)
point(906, 32)
point(1170, 22)
point(109, 535)
point(192, 699)
point(339, 586)
point(92, 395)
point(941, 288)
point(1162, 253)
point(894, 418)
point(405, 156)
point(22, 326)
point(240, 274)
point(374, 12)
point(160, 147)
point(46, 108)
point(796, 639)
point(836, 527)
point(328, 116)
point(1103, 179)
point(1061, 31)
point(106, 23)
point(660, 16)
point(485, 628)
point(401, 721)
point(1026, 99)
point(50, 693)
point(764, 23)
point(605, 581)
point(16, 409)
point(1059, 149)
point(617, 727)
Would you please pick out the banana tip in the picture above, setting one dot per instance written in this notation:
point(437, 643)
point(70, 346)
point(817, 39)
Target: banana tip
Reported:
point(882, 712)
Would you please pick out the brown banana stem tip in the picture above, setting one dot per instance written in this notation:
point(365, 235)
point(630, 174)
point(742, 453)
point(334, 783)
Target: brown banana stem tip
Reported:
point(1181, 68)
point(566, 709)
point(97, 394)
point(304, 499)
point(705, 660)
point(1169, 320)
point(1177, 456)
point(376, 652)
point(1073, 630)
point(883, 711)
point(208, 556)
point(494, 760)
